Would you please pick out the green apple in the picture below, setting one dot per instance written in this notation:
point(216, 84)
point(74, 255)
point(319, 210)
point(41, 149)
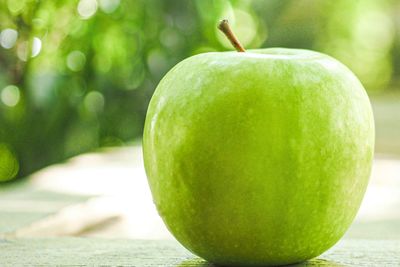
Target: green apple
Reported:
point(258, 158)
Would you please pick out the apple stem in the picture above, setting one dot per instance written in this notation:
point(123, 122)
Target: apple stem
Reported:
point(226, 29)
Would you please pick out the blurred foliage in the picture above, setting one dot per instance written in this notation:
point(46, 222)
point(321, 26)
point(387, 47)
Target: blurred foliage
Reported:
point(77, 75)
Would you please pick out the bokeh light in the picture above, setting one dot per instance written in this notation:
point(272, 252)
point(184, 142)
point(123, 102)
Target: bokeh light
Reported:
point(36, 46)
point(109, 6)
point(16, 7)
point(94, 102)
point(76, 60)
point(87, 8)
point(8, 37)
point(10, 95)
point(8, 163)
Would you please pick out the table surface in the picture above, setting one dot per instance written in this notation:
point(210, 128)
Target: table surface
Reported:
point(145, 253)
point(96, 209)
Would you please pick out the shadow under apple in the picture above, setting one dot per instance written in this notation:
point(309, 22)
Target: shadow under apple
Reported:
point(197, 262)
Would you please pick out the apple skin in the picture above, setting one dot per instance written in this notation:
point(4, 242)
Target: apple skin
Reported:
point(258, 158)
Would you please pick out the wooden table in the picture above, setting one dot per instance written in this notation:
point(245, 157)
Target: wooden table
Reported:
point(96, 210)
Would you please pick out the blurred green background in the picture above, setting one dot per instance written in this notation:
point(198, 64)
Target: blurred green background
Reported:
point(78, 75)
